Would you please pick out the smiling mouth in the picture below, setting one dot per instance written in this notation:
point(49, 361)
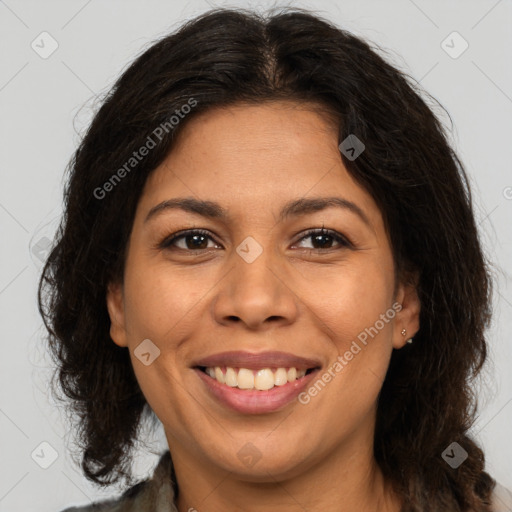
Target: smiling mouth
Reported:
point(262, 379)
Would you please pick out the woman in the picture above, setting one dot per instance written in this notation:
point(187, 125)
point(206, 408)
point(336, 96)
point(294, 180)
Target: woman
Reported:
point(269, 246)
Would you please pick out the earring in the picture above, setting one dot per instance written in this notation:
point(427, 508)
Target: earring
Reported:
point(404, 332)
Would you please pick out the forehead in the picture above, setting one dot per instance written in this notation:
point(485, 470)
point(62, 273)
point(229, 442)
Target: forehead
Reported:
point(272, 127)
point(250, 157)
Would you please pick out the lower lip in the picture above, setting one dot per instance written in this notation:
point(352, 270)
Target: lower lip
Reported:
point(255, 401)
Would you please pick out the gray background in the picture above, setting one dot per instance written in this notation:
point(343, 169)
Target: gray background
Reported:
point(46, 103)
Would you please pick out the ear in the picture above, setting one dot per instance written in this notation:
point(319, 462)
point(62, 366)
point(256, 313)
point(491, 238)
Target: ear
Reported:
point(115, 306)
point(408, 317)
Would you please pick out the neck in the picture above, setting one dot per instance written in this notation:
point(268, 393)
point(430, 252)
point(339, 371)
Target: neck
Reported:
point(347, 479)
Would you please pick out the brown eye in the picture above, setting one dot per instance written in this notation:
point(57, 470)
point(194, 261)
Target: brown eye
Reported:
point(194, 240)
point(197, 240)
point(323, 239)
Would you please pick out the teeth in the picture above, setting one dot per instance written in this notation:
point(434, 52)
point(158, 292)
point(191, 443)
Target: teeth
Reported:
point(231, 377)
point(245, 379)
point(219, 375)
point(292, 374)
point(280, 377)
point(262, 380)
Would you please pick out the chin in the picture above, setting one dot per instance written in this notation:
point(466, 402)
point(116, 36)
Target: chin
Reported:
point(253, 464)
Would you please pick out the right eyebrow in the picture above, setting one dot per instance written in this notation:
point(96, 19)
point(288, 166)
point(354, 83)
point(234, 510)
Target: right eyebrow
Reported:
point(294, 208)
point(208, 209)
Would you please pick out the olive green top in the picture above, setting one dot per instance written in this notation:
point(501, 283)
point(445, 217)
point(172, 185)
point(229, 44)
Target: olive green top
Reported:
point(157, 494)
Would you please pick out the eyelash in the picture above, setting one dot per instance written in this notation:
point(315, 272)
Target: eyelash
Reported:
point(343, 241)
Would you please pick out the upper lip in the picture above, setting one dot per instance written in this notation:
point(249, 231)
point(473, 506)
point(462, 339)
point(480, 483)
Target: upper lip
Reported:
point(254, 361)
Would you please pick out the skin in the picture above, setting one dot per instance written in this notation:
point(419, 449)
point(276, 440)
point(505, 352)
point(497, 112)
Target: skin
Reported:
point(314, 303)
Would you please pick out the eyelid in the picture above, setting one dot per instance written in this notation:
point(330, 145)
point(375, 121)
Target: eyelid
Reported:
point(340, 238)
point(167, 241)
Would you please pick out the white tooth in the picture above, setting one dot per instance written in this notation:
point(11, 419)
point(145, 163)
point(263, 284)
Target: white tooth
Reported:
point(219, 375)
point(264, 379)
point(245, 379)
point(280, 377)
point(230, 378)
point(292, 374)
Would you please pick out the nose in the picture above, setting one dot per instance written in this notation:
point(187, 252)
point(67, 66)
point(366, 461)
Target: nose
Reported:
point(258, 294)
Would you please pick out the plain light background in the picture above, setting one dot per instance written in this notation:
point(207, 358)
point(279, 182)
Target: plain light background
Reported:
point(45, 101)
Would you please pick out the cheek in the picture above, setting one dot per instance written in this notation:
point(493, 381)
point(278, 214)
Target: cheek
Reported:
point(354, 311)
point(160, 385)
point(357, 319)
point(350, 299)
point(159, 302)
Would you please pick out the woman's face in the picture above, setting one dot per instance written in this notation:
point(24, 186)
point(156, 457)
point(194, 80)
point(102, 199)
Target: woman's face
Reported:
point(254, 282)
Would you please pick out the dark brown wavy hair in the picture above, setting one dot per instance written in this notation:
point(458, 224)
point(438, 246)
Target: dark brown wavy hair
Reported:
point(229, 56)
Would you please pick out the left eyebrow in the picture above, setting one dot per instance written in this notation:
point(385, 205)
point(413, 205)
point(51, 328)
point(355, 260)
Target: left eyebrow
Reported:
point(295, 208)
point(208, 209)
point(314, 204)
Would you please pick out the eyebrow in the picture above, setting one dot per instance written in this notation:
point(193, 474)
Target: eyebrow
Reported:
point(295, 208)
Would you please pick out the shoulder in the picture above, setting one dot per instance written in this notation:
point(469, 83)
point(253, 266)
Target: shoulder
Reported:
point(501, 499)
point(156, 493)
point(125, 503)
point(111, 506)
point(107, 506)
